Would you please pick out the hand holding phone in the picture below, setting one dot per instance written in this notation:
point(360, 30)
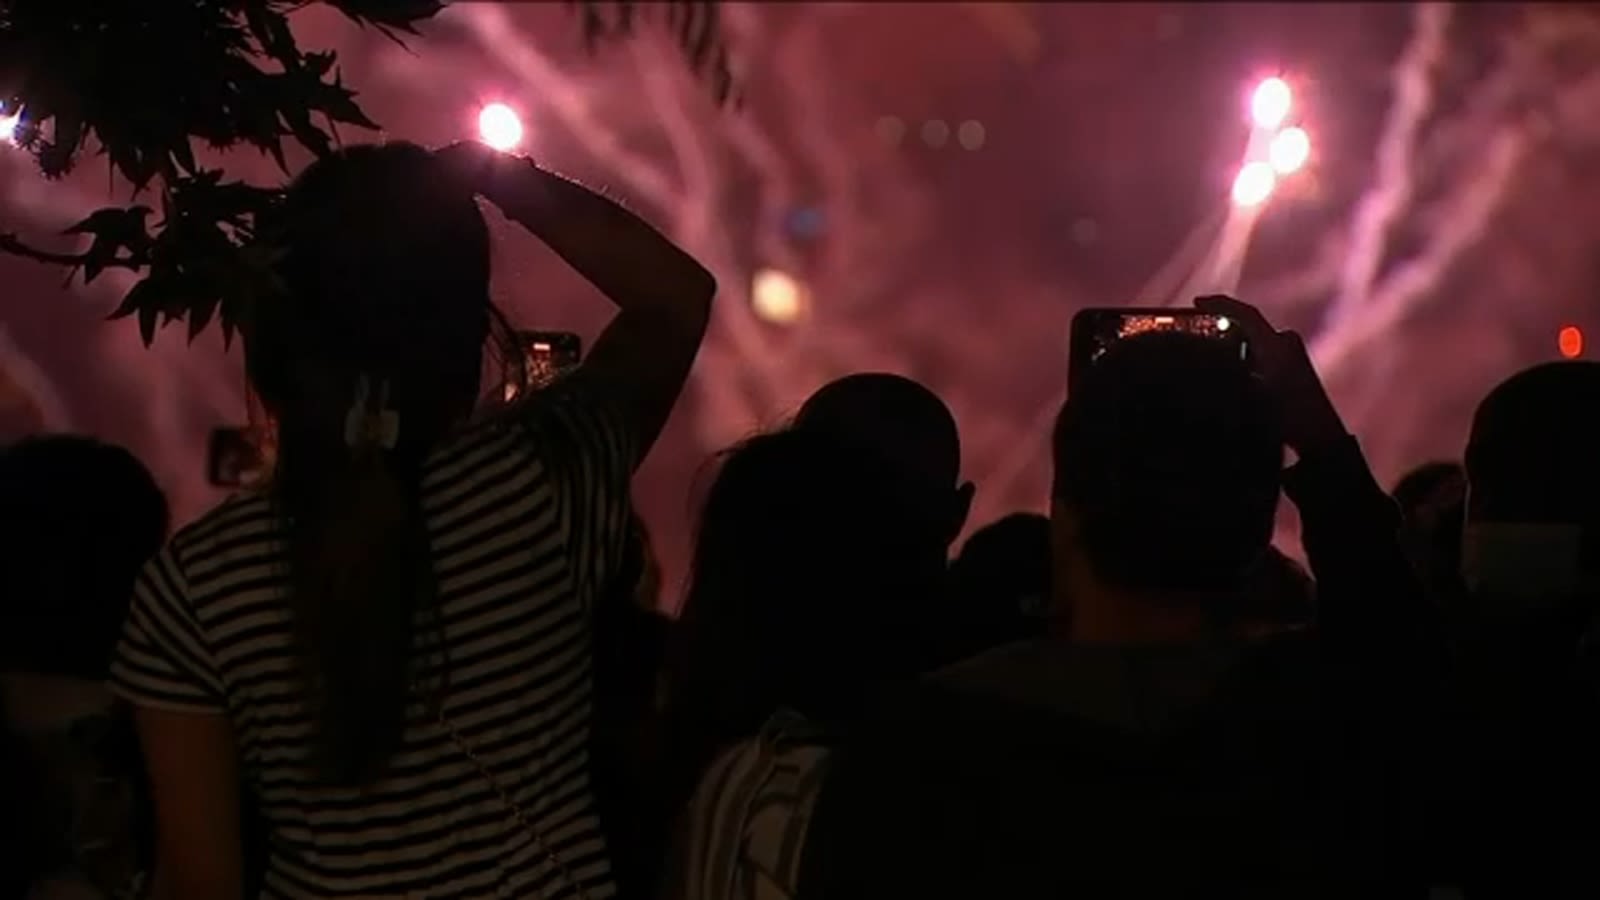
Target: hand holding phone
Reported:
point(470, 163)
point(1281, 359)
point(547, 355)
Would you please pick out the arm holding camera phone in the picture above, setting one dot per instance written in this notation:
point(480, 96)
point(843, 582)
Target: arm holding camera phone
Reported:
point(598, 423)
point(663, 295)
point(1376, 631)
point(1375, 616)
point(1310, 420)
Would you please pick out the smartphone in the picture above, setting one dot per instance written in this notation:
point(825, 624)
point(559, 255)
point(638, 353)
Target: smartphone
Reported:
point(1094, 331)
point(235, 458)
point(547, 355)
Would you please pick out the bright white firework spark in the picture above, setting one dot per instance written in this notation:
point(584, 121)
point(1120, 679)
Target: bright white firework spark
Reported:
point(1270, 103)
point(1289, 150)
point(1254, 184)
point(500, 127)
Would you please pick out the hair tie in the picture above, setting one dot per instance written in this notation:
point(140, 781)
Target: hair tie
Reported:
point(366, 427)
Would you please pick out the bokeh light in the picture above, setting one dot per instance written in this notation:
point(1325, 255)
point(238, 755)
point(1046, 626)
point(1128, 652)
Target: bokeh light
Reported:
point(1254, 184)
point(1289, 150)
point(1570, 342)
point(972, 134)
point(1270, 103)
point(8, 125)
point(891, 129)
point(500, 127)
point(777, 297)
point(806, 223)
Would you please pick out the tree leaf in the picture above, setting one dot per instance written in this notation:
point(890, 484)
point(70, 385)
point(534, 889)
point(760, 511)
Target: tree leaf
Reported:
point(148, 324)
point(200, 316)
point(130, 303)
point(100, 254)
point(183, 154)
point(98, 222)
point(339, 104)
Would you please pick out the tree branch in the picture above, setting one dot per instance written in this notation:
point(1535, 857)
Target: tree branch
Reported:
point(10, 243)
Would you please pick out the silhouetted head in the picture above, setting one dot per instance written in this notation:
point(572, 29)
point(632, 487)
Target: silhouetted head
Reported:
point(1533, 500)
point(385, 273)
point(383, 304)
point(809, 583)
point(1168, 460)
point(906, 424)
point(78, 519)
point(1001, 583)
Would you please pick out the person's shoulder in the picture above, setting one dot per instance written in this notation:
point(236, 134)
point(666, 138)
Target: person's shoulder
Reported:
point(786, 746)
point(998, 663)
point(245, 517)
point(540, 418)
point(495, 436)
point(583, 409)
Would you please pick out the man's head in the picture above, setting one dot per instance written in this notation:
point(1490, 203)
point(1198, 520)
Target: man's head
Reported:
point(1533, 500)
point(1168, 461)
point(906, 425)
point(78, 519)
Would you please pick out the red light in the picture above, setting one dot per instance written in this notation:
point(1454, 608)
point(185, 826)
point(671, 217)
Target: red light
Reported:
point(1570, 342)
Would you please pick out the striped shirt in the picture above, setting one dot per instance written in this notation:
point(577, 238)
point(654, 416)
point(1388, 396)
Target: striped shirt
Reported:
point(526, 516)
point(748, 819)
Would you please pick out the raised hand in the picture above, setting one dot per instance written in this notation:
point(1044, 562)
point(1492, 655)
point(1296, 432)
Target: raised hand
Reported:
point(1281, 360)
point(470, 162)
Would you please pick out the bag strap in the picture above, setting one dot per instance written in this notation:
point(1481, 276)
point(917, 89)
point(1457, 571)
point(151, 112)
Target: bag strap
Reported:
point(513, 808)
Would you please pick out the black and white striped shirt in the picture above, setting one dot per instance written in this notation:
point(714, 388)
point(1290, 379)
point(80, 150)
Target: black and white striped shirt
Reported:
point(527, 516)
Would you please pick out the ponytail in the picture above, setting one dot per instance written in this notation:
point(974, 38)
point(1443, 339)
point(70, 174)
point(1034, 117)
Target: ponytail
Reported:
point(361, 576)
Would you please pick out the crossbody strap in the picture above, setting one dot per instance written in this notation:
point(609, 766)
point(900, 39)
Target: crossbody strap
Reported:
point(513, 808)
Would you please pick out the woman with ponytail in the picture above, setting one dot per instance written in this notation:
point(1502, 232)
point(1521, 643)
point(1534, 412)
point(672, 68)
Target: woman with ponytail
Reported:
point(389, 642)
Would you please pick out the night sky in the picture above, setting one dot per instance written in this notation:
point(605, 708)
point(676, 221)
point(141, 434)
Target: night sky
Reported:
point(1442, 234)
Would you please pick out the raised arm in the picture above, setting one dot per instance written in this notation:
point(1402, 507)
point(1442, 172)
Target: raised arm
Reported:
point(1374, 606)
point(663, 295)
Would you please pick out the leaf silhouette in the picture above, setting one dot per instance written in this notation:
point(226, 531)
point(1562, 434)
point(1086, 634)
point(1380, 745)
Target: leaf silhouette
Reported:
point(200, 316)
point(148, 322)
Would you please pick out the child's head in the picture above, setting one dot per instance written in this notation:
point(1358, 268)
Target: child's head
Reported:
point(78, 519)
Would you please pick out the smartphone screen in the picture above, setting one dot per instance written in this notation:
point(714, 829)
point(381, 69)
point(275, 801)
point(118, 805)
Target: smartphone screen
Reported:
point(1094, 331)
point(547, 355)
point(235, 457)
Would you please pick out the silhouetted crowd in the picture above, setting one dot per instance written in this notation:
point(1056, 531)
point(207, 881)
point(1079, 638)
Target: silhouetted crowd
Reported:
point(425, 657)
